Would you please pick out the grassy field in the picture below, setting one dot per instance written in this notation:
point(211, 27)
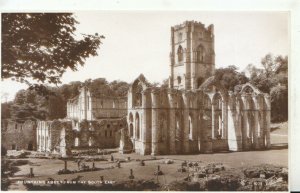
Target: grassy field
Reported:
point(48, 168)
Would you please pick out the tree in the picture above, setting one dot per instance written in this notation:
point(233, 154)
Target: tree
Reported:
point(41, 46)
point(279, 103)
point(272, 78)
point(229, 77)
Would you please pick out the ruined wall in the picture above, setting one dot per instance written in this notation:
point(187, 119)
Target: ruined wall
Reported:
point(64, 136)
point(210, 119)
point(88, 107)
point(18, 136)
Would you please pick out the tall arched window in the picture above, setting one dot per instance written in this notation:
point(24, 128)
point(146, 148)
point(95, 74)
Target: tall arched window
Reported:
point(180, 54)
point(137, 126)
point(76, 142)
point(190, 127)
point(200, 53)
point(131, 130)
point(178, 79)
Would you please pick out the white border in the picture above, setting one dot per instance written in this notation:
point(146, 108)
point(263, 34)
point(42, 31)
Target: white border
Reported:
point(209, 5)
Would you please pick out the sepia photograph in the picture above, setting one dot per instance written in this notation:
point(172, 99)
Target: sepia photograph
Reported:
point(115, 100)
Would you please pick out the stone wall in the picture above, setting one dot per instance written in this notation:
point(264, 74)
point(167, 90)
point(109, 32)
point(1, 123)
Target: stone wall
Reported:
point(18, 136)
point(88, 107)
point(209, 119)
point(64, 136)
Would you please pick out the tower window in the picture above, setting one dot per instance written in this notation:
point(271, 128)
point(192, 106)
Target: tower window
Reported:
point(178, 79)
point(180, 54)
point(179, 36)
point(200, 54)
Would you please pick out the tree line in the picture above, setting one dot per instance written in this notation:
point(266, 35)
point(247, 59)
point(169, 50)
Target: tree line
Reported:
point(30, 104)
point(271, 78)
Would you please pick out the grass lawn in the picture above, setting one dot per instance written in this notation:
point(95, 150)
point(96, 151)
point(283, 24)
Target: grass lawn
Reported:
point(45, 168)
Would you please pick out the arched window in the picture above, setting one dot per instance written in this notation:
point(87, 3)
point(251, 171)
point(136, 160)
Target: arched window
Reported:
point(180, 54)
point(131, 130)
point(190, 127)
point(88, 103)
point(76, 143)
point(137, 126)
point(90, 141)
point(200, 53)
point(199, 82)
point(179, 36)
point(138, 95)
point(179, 79)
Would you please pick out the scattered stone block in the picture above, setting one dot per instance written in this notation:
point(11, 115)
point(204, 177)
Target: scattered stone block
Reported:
point(168, 161)
point(142, 163)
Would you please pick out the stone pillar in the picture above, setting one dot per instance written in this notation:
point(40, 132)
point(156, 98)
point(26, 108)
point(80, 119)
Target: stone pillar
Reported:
point(186, 99)
point(155, 122)
point(225, 117)
point(172, 127)
point(255, 126)
point(245, 124)
point(213, 114)
point(268, 120)
point(146, 125)
point(233, 124)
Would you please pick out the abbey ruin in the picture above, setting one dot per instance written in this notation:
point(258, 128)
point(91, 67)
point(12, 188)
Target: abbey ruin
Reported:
point(194, 114)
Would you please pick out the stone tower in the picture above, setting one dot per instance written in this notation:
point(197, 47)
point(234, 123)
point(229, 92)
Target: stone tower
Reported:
point(192, 55)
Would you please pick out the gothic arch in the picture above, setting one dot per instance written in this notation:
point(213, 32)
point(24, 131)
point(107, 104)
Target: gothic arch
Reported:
point(140, 84)
point(206, 124)
point(200, 53)
point(191, 126)
point(163, 127)
point(131, 130)
point(137, 126)
point(180, 53)
point(217, 124)
point(249, 89)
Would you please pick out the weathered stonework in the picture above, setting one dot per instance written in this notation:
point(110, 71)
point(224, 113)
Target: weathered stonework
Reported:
point(205, 120)
point(18, 136)
point(195, 114)
point(62, 137)
point(86, 106)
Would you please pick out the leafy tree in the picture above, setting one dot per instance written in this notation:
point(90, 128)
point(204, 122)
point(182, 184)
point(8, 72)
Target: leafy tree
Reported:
point(41, 46)
point(279, 103)
point(5, 110)
point(273, 78)
point(229, 77)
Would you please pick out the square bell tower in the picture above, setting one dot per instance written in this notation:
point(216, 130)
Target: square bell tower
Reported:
point(192, 55)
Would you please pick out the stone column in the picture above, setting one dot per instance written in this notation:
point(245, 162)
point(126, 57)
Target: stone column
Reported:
point(172, 127)
point(245, 124)
point(268, 120)
point(186, 99)
point(146, 125)
point(155, 122)
point(213, 114)
point(225, 117)
point(255, 126)
point(233, 129)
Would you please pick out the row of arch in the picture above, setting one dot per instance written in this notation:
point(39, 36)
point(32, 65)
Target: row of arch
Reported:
point(199, 53)
point(210, 121)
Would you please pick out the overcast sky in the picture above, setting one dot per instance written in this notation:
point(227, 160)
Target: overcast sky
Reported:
point(139, 42)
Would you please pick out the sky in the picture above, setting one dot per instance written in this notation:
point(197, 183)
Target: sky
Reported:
point(139, 42)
